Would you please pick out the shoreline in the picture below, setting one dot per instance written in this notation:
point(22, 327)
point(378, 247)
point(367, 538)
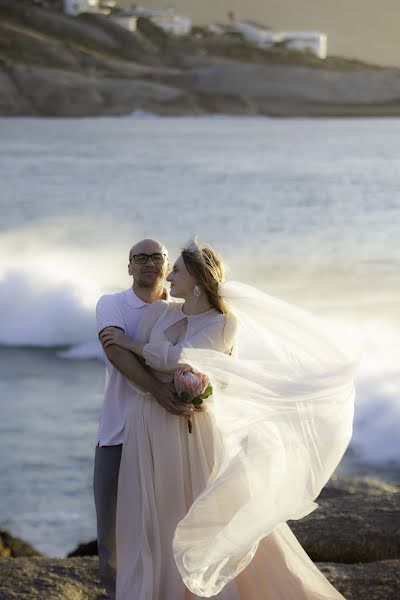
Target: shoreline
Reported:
point(49, 93)
point(168, 116)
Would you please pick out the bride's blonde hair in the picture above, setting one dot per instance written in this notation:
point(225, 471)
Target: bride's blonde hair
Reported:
point(208, 269)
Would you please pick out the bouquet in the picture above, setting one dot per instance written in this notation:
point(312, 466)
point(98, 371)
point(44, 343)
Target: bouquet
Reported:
point(192, 388)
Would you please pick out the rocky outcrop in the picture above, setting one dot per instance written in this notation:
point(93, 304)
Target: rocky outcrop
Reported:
point(358, 520)
point(372, 581)
point(11, 546)
point(77, 579)
point(353, 537)
point(39, 91)
point(50, 578)
point(88, 549)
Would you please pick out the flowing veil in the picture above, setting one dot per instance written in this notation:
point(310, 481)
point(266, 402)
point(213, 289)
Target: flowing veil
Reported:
point(282, 413)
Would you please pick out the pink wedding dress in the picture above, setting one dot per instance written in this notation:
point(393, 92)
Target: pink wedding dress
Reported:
point(187, 508)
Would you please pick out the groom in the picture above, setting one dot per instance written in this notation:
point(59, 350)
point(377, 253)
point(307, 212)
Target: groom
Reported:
point(148, 266)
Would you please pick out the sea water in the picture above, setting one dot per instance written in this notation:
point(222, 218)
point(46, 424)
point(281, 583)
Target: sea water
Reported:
point(307, 210)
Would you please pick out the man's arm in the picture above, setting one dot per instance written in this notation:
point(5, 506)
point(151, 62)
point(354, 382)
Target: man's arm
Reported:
point(127, 364)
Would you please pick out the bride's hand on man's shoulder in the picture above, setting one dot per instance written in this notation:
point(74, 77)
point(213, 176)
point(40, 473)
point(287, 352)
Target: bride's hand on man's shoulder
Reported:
point(111, 336)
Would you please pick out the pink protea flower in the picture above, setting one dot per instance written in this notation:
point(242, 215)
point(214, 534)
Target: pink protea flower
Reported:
point(188, 380)
point(192, 388)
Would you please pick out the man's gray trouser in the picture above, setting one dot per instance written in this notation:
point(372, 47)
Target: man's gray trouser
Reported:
point(105, 486)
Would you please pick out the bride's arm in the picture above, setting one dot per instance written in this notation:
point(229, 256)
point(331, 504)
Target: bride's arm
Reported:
point(164, 356)
point(118, 338)
point(130, 366)
point(219, 335)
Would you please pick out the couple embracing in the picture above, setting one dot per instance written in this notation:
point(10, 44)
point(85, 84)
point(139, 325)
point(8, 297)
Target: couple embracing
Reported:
point(202, 513)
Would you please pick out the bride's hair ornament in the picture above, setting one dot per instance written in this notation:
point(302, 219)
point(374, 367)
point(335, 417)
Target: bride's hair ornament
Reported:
point(206, 266)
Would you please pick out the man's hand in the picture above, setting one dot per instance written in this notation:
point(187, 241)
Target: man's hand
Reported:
point(134, 369)
point(166, 396)
point(113, 336)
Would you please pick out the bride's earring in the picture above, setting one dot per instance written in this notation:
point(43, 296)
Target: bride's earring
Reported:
point(196, 290)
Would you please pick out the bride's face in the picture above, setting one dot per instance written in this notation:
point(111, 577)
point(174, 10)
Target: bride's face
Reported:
point(182, 282)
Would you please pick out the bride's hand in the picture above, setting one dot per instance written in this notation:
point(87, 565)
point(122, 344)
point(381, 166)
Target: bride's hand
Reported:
point(115, 337)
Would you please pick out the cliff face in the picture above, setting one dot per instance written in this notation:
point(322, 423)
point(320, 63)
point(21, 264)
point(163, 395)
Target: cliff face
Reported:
point(55, 65)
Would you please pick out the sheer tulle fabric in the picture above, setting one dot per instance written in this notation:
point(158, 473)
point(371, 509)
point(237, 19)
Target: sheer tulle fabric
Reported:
point(282, 414)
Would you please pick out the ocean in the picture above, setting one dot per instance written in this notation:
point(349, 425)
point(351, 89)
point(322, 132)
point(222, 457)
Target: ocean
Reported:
point(307, 210)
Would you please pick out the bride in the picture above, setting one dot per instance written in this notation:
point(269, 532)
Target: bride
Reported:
point(203, 514)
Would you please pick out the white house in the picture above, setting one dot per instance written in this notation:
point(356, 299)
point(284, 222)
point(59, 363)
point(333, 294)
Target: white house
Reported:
point(314, 41)
point(129, 22)
point(253, 32)
point(219, 28)
point(173, 24)
point(76, 7)
point(144, 11)
point(165, 18)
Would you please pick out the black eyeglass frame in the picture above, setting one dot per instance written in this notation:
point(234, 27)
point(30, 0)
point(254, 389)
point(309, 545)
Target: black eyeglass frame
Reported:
point(133, 257)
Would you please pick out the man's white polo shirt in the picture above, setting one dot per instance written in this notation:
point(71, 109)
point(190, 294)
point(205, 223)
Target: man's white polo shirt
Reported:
point(123, 310)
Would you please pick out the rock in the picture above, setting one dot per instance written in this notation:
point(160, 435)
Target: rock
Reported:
point(371, 581)
point(366, 486)
point(12, 102)
point(77, 579)
point(88, 549)
point(299, 84)
point(369, 508)
point(358, 520)
point(62, 93)
point(50, 579)
point(11, 546)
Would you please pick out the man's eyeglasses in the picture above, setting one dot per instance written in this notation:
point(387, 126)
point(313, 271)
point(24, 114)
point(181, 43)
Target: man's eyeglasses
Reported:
point(141, 259)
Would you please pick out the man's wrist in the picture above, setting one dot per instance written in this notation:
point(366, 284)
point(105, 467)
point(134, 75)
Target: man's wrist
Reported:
point(154, 387)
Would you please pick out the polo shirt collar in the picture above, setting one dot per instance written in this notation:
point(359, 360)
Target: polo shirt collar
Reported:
point(136, 302)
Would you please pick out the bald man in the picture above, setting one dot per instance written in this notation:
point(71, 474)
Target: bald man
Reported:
point(148, 266)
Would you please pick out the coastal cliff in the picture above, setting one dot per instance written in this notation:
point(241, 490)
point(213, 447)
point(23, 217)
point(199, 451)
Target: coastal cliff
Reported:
point(55, 65)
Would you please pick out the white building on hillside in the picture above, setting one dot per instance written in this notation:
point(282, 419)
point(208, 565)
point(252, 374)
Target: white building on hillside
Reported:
point(144, 11)
point(314, 41)
point(219, 28)
point(253, 32)
point(128, 22)
point(173, 24)
point(165, 18)
point(77, 7)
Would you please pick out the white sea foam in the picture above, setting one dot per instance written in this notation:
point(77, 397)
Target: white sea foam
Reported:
point(139, 113)
point(376, 437)
point(41, 309)
point(46, 310)
point(84, 351)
